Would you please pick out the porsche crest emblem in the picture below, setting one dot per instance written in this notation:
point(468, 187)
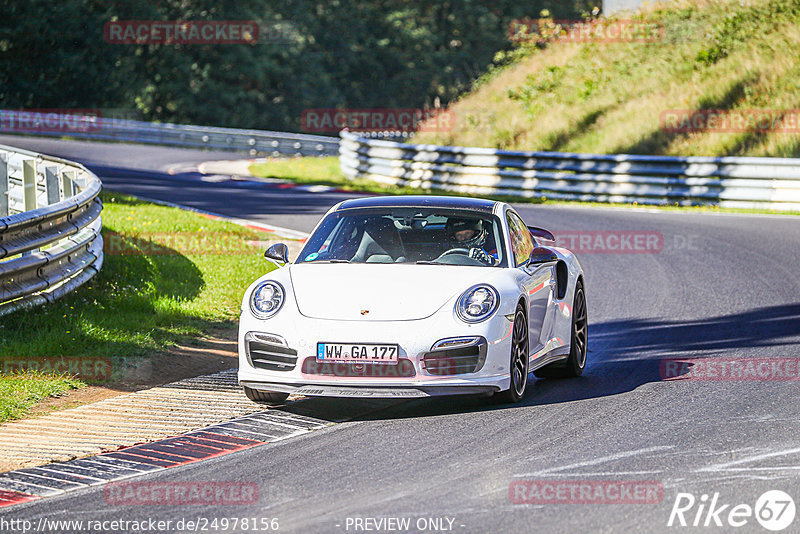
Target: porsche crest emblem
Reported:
point(364, 312)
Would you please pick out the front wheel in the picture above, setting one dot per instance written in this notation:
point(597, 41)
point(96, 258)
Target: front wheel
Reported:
point(576, 361)
point(265, 397)
point(519, 360)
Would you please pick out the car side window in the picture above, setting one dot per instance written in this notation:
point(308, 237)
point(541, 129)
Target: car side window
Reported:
point(521, 241)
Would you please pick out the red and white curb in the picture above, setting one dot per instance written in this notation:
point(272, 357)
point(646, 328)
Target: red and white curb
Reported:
point(253, 430)
point(33, 483)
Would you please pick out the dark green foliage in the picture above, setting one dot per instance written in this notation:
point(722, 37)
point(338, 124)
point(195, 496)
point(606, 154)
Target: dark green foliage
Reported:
point(343, 53)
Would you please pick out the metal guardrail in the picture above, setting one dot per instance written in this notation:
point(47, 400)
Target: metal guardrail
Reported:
point(50, 227)
point(734, 182)
point(182, 135)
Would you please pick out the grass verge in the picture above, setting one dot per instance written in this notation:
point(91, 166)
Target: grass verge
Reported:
point(169, 277)
point(18, 392)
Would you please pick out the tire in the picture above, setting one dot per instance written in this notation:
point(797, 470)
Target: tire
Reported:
point(520, 361)
point(576, 361)
point(265, 397)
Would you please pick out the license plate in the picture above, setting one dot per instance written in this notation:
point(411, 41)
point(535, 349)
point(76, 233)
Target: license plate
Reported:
point(357, 353)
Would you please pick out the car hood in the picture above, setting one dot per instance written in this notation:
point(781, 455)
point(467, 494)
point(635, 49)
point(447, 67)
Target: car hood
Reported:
point(379, 292)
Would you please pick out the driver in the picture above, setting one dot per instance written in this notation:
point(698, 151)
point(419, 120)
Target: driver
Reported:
point(469, 234)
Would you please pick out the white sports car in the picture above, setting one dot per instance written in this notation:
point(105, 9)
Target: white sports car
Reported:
point(413, 296)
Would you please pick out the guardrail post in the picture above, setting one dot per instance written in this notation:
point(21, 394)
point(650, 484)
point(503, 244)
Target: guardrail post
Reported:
point(28, 188)
point(29, 184)
point(68, 183)
point(3, 186)
point(51, 185)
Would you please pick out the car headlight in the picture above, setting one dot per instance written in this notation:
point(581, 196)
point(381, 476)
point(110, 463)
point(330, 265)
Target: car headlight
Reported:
point(266, 299)
point(477, 303)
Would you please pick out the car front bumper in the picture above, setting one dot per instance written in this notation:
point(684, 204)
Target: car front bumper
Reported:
point(299, 335)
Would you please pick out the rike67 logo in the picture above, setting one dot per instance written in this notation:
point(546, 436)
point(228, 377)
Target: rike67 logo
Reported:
point(774, 510)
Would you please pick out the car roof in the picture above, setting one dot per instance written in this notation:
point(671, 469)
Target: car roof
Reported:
point(422, 201)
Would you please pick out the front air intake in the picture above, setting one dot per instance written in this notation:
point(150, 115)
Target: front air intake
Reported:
point(455, 356)
point(269, 352)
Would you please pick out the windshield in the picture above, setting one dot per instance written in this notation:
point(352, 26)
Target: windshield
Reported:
point(407, 235)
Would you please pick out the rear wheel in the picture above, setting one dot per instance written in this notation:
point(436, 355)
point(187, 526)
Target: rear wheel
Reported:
point(519, 360)
point(576, 361)
point(265, 397)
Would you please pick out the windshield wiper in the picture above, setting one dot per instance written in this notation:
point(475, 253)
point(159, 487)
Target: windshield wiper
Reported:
point(430, 262)
point(328, 261)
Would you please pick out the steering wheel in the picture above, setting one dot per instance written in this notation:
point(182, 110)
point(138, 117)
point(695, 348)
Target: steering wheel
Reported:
point(464, 251)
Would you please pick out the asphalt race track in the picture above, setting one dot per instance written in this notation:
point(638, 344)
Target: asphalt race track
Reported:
point(144, 170)
point(714, 286)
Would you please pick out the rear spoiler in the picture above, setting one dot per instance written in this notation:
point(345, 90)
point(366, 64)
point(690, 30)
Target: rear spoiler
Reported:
point(542, 237)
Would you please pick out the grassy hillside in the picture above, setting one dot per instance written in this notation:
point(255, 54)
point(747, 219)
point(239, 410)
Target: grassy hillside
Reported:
point(608, 97)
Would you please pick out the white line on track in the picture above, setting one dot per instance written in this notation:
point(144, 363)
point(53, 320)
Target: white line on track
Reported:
point(726, 466)
point(608, 473)
point(596, 461)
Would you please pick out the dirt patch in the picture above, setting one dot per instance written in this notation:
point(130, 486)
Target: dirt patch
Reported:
point(206, 355)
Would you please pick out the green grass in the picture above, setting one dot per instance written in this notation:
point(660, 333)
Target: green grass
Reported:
point(323, 171)
point(326, 171)
point(601, 97)
point(18, 392)
point(146, 297)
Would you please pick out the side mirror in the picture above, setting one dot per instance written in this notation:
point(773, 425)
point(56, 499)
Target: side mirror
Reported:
point(278, 252)
point(541, 255)
point(540, 235)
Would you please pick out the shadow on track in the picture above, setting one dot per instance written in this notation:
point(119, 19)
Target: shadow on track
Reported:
point(623, 355)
